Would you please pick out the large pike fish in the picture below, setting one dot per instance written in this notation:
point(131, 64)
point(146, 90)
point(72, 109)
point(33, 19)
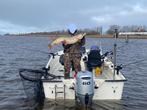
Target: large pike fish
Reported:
point(67, 40)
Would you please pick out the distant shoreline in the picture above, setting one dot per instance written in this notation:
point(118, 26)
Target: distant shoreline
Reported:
point(87, 36)
point(120, 36)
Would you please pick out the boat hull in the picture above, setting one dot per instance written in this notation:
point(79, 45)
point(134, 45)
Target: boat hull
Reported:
point(104, 90)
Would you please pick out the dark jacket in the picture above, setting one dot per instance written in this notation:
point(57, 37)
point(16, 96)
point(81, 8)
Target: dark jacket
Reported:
point(94, 59)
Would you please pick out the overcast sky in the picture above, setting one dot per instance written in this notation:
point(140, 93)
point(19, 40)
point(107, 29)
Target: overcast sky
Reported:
point(49, 15)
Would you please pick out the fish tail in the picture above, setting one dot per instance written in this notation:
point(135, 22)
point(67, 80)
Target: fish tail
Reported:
point(50, 46)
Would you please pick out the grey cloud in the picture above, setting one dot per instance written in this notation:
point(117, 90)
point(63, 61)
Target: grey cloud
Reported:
point(48, 15)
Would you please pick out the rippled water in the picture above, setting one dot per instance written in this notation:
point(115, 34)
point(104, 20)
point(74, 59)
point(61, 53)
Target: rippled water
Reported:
point(21, 52)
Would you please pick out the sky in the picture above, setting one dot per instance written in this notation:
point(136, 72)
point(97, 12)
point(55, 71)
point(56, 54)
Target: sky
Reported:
point(24, 16)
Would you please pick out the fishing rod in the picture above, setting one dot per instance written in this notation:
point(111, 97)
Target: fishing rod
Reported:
point(126, 44)
point(121, 66)
point(35, 50)
point(44, 52)
point(30, 49)
point(135, 62)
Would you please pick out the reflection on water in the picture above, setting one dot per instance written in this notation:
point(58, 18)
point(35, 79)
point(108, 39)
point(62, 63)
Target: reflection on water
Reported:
point(70, 105)
point(12, 58)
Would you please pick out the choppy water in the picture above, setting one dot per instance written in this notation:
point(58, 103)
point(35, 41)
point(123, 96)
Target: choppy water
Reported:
point(14, 56)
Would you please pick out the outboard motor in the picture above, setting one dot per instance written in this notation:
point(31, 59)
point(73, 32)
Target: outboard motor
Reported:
point(84, 88)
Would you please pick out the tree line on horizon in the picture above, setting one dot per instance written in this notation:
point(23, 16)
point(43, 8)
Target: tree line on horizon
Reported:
point(93, 31)
point(132, 28)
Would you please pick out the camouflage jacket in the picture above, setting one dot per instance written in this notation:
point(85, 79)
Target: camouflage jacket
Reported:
point(74, 48)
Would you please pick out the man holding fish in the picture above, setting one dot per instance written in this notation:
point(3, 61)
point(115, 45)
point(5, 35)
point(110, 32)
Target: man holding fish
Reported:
point(72, 46)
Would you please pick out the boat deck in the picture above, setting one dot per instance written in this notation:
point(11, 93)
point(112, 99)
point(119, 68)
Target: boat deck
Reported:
point(107, 72)
point(106, 86)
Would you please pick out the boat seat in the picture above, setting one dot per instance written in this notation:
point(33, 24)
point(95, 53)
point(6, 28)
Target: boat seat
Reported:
point(94, 59)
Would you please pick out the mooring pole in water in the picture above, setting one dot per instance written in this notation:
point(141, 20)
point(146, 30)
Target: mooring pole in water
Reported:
point(127, 38)
point(114, 51)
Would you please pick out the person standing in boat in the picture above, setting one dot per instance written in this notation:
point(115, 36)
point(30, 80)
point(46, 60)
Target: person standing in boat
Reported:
point(72, 53)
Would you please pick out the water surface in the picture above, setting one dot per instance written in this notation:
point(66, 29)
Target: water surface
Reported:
point(21, 52)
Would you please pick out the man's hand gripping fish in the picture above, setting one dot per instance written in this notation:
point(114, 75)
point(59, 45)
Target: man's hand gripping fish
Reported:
point(67, 40)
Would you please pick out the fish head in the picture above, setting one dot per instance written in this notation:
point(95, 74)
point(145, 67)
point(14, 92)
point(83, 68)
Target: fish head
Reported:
point(80, 36)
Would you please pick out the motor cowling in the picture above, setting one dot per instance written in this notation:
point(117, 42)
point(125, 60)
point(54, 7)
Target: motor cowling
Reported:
point(84, 87)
